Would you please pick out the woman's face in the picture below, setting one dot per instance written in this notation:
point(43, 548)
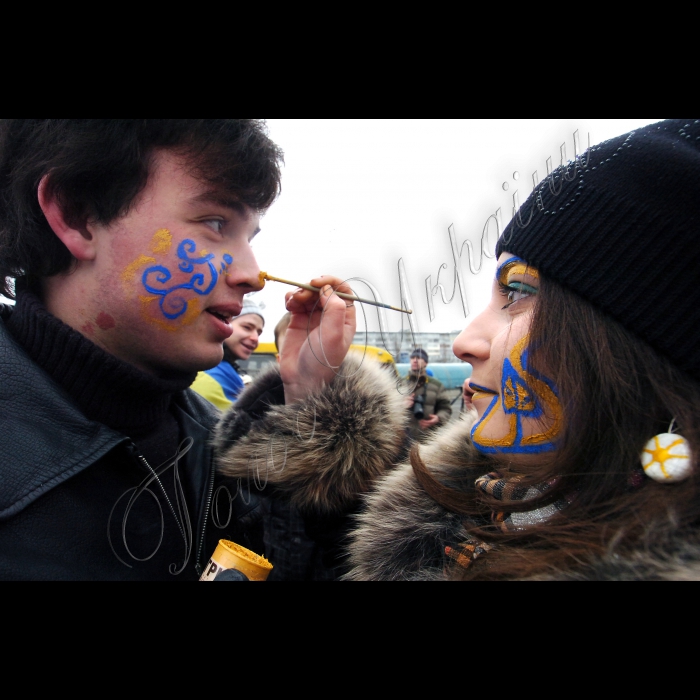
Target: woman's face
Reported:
point(518, 408)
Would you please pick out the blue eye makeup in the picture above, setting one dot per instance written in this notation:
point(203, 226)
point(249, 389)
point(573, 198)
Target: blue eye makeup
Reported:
point(515, 290)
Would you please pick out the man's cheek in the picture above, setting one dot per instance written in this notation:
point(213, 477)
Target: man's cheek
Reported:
point(171, 284)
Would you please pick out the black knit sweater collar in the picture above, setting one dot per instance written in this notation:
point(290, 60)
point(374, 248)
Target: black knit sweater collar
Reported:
point(105, 388)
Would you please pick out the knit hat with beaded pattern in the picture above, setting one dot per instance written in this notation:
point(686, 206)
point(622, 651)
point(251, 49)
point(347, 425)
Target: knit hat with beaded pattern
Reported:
point(620, 226)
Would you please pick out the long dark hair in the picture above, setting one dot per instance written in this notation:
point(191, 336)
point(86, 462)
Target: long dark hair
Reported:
point(616, 393)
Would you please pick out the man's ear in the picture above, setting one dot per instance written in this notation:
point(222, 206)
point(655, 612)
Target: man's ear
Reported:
point(79, 242)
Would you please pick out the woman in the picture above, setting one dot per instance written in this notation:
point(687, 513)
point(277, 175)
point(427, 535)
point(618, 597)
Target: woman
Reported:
point(585, 358)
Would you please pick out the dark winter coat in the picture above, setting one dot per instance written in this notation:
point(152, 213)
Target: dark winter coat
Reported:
point(65, 478)
point(311, 463)
point(436, 402)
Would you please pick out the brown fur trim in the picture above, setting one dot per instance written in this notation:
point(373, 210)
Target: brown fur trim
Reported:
point(666, 553)
point(402, 533)
point(327, 451)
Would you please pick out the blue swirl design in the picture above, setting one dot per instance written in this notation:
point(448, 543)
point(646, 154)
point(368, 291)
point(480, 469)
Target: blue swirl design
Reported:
point(171, 303)
point(225, 264)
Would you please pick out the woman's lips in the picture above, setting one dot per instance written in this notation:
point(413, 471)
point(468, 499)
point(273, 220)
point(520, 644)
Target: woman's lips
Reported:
point(481, 392)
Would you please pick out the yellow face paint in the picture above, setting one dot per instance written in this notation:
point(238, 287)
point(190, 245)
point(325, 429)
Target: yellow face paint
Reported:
point(161, 241)
point(514, 267)
point(523, 396)
point(190, 315)
point(174, 280)
point(130, 271)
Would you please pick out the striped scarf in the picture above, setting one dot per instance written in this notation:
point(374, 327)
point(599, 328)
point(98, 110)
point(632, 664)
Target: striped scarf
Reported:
point(509, 490)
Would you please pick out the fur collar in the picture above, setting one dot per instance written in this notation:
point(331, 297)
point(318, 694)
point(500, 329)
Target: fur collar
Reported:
point(323, 453)
point(402, 533)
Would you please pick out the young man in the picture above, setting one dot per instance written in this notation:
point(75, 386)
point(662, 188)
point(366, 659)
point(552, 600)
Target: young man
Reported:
point(130, 244)
point(222, 384)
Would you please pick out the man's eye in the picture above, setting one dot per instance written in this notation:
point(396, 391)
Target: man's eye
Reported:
point(215, 224)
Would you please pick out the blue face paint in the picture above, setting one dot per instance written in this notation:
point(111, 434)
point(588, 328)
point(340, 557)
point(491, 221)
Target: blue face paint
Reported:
point(172, 304)
point(524, 395)
point(509, 263)
point(225, 264)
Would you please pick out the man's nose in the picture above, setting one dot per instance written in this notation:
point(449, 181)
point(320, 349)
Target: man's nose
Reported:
point(244, 272)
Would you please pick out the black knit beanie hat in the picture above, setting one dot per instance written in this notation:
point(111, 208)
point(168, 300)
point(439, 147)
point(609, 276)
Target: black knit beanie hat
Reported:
point(620, 226)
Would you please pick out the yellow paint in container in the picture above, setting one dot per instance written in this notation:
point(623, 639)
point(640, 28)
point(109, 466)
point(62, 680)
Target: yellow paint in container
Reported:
point(229, 555)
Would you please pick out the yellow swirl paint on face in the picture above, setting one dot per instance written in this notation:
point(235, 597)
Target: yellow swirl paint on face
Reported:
point(161, 241)
point(190, 315)
point(522, 396)
point(132, 268)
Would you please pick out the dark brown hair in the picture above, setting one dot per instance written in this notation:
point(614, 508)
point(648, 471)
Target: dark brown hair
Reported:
point(99, 166)
point(616, 393)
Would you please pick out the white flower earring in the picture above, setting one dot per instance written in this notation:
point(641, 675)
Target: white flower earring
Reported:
point(666, 457)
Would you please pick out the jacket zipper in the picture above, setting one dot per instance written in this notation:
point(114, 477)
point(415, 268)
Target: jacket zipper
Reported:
point(198, 560)
point(210, 490)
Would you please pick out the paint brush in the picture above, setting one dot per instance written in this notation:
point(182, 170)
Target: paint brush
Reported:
point(349, 297)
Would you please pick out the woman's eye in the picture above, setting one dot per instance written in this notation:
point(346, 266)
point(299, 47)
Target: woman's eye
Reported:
point(517, 291)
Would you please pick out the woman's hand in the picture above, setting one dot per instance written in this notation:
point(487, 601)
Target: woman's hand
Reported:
point(318, 337)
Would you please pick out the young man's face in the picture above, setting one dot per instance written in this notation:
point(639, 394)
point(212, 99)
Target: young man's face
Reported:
point(170, 275)
point(245, 337)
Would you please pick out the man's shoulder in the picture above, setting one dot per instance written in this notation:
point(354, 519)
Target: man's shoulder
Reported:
point(199, 408)
point(435, 382)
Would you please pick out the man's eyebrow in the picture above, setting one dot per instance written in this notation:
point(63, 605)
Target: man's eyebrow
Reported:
point(222, 200)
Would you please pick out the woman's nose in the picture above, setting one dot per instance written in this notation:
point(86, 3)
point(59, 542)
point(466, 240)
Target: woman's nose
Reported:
point(473, 342)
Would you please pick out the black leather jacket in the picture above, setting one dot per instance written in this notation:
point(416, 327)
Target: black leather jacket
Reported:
point(65, 479)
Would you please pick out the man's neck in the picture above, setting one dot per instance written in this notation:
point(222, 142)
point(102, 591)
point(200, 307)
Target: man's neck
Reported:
point(105, 388)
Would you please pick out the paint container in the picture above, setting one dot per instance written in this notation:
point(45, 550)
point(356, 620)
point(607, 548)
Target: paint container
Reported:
point(229, 555)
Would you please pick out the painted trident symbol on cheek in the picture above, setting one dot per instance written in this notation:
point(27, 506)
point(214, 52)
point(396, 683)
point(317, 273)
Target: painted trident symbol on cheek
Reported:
point(174, 299)
point(523, 395)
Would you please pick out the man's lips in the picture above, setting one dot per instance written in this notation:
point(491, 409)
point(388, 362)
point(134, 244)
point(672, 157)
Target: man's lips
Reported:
point(225, 313)
point(222, 317)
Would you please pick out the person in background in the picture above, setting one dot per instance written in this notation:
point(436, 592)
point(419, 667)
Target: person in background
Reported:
point(428, 403)
point(467, 393)
point(222, 384)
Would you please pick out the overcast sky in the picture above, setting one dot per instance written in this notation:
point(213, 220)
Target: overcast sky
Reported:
point(358, 195)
